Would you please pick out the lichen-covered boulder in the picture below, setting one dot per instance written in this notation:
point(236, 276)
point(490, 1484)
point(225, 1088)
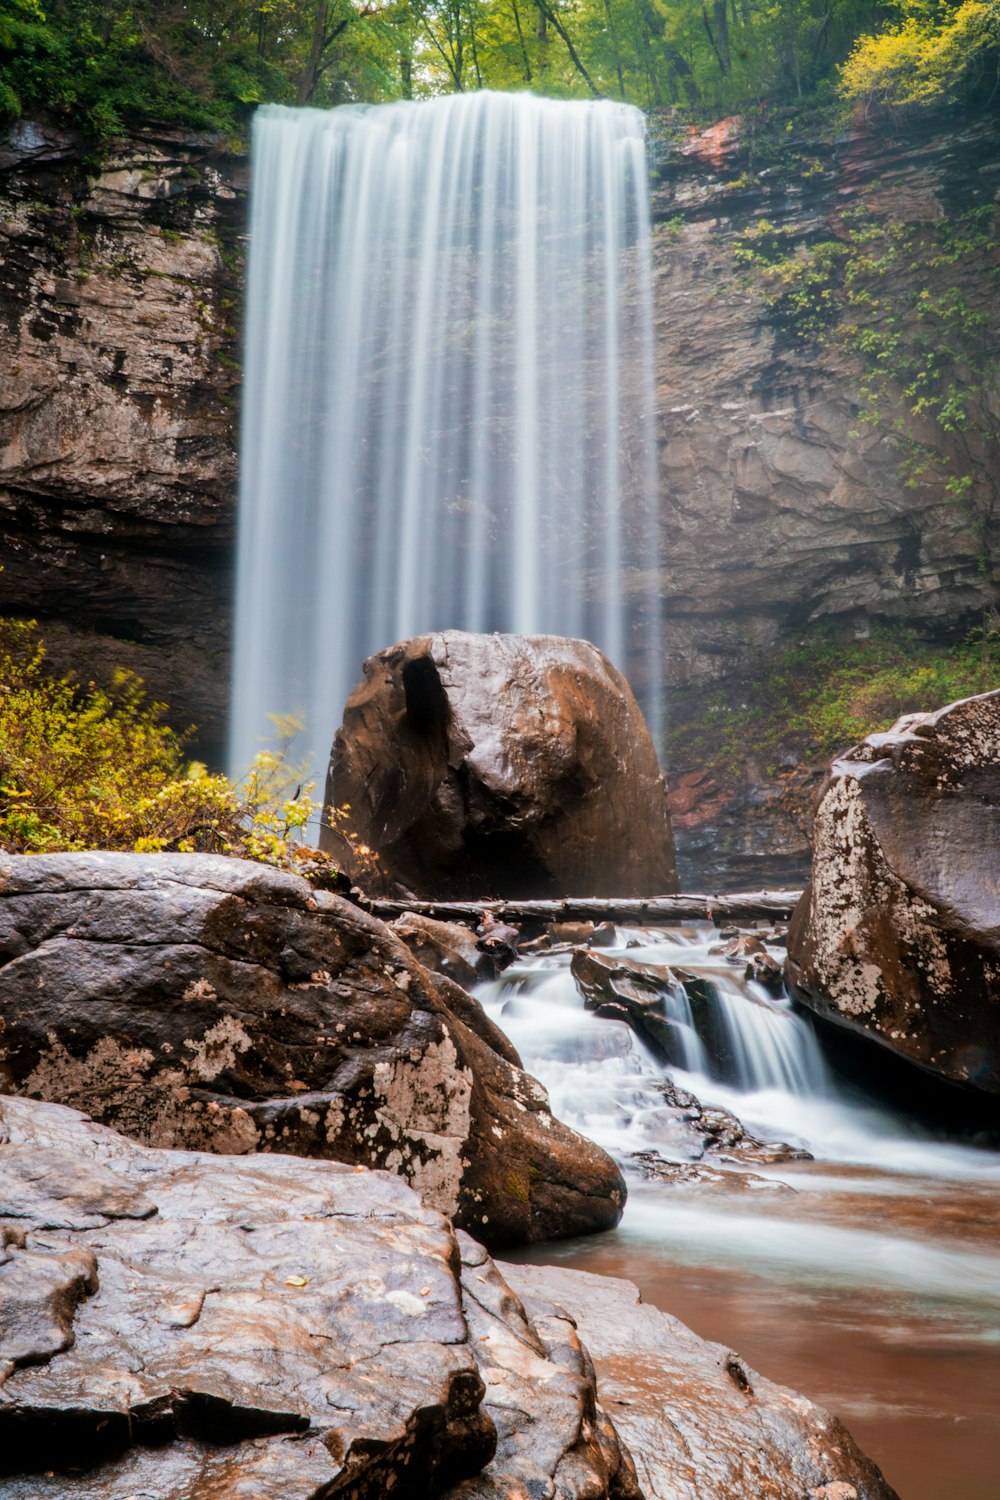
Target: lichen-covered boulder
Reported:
point(183, 1326)
point(503, 765)
point(208, 1003)
point(897, 935)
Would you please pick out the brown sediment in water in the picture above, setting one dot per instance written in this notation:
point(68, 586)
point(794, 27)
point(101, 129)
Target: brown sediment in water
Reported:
point(914, 1376)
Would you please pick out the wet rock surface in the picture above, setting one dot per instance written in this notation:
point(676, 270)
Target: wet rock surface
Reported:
point(553, 1436)
point(700, 1423)
point(446, 947)
point(622, 989)
point(694, 1138)
point(182, 1326)
point(898, 935)
point(503, 765)
point(200, 1002)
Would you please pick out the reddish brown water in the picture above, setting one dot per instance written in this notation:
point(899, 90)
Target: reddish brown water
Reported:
point(881, 1302)
point(868, 1279)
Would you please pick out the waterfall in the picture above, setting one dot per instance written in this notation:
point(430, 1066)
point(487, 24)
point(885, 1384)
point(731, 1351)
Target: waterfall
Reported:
point(731, 1044)
point(447, 394)
point(761, 1042)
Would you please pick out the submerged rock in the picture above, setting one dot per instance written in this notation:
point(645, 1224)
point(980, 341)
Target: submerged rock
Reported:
point(699, 1422)
point(503, 765)
point(898, 935)
point(178, 1325)
point(201, 1002)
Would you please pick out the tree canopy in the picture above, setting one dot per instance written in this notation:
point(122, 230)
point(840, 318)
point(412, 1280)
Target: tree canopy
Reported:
point(110, 64)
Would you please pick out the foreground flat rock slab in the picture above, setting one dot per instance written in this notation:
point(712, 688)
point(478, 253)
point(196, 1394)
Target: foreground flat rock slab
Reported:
point(183, 1326)
point(303, 1312)
point(897, 935)
point(503, 765)
point(213, 1004)
point(699, 1422)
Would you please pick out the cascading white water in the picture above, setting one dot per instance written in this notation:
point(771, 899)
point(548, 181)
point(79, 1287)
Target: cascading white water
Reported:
point(739, 1048)
point(766, 1044)
point(447, 393)
point(869, 1277)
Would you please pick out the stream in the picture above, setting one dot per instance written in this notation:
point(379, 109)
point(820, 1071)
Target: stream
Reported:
point(868, 1277)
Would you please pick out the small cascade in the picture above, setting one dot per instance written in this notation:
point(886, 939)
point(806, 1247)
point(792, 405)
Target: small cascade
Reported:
point(880, 1253)
point(759, 1042)
point(448, 410)
point(729, 1042)
point(687, 1050)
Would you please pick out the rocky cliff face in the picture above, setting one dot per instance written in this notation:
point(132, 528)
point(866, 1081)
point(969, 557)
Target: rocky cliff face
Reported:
point(777, 511)
point(119, 295)
point(781, 511)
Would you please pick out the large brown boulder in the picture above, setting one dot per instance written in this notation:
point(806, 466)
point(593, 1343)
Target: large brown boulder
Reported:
point(180, 1326)
point(503, 765)
point(898, 934)
point(213, 1004)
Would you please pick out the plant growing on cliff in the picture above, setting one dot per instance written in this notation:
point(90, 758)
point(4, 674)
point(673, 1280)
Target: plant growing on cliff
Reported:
point(799, 277)
point(824, 695)
point(905, 301)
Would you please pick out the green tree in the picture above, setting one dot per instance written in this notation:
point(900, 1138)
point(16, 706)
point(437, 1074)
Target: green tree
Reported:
point(935, 52)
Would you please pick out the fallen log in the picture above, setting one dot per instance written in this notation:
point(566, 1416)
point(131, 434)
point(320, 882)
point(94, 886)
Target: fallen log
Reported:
point(650, 911)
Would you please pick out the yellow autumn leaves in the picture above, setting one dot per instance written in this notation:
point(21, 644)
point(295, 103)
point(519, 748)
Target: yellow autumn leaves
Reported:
point(926, 57)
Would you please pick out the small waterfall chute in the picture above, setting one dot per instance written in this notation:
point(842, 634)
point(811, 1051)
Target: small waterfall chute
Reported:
point(754, 1041)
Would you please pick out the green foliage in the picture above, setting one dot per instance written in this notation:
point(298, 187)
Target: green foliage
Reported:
point(89, 768)
point(798, 277)
point(92, 768)
point(827, 694)
point(111, 64)
point(935, 54)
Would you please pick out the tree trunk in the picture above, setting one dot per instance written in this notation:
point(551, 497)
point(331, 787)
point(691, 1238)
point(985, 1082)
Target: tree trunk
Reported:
point(520, 37)
point(552, 15)
point(310, 73)
point(615, 48)
point(772, 906)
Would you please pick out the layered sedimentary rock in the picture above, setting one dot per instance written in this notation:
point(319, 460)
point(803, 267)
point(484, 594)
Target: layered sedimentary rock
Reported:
point(503, 765)
point(898, 935)
point(201, 1002)
point(782, 512)
point(178, 1325)
point(119, 301)
point(699, 1422)
point(778, 511)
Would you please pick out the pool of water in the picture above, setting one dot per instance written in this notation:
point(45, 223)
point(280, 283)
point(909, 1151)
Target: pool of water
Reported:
point(867, 1278)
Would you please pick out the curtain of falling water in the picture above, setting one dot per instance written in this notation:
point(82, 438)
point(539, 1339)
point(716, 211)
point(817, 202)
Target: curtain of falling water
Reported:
point(448, 394)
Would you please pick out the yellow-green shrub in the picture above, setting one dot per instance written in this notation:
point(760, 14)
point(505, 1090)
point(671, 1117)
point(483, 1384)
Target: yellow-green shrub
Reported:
point(84, 767)
point(922, 60)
